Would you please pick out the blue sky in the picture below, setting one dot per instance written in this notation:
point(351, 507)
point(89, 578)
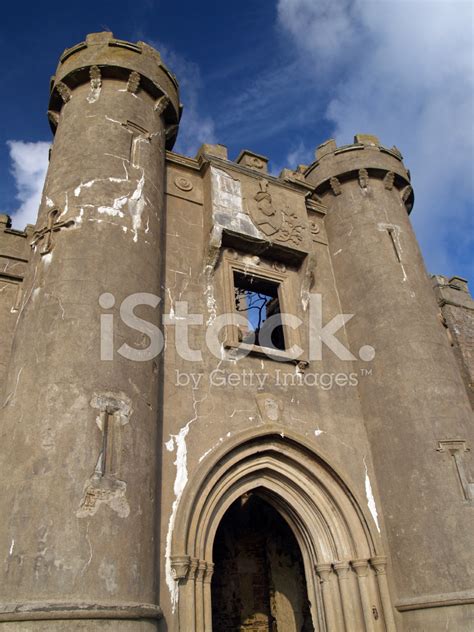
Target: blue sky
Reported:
point(277, 77)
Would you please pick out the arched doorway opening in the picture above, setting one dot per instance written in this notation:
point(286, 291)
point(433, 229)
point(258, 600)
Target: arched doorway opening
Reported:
point(258, 583)
point(344, 566)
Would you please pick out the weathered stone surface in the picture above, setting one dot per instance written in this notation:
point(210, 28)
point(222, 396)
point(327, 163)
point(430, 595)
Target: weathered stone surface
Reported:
point(120, 464)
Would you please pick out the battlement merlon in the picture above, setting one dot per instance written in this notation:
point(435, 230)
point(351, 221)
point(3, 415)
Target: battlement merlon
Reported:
point(115, 59)
point(366, 153)
point(14, 246)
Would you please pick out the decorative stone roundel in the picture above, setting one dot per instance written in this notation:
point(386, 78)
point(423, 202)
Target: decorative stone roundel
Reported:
point(183, 183)
point(315, 229)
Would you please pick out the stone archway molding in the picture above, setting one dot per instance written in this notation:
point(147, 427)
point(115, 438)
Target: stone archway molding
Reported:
point(341, 549)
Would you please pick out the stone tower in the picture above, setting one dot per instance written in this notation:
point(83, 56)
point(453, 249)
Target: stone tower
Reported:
point(296, 456)
point(112, 105)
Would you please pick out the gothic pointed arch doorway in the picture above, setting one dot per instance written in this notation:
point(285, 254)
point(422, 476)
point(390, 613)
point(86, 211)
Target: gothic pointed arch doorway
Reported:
point(344, 568)
point(258, 584)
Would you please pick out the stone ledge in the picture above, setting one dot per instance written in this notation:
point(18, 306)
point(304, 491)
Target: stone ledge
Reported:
point(51, 610)
point(435, 601)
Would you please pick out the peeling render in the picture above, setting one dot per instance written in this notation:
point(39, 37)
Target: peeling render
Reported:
point(370, 498)
point(211, 303)
point(85, 185)
point(94, 94)
point(179, 485)
point(308, 281)
point(227, 206)
point(118, 403)
point(136, 204)
point(78, 219)
point(116, 208)
point(97, 492)
point(177, 441)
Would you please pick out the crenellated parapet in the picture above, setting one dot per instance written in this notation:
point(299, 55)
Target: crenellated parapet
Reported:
point(365, 159)
point(103, 57)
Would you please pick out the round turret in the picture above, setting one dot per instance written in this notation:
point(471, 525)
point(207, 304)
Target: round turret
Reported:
point(102, 56)
point(366, 153)
point(409, 404)
point(88, 445)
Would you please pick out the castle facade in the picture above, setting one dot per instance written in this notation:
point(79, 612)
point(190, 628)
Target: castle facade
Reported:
point(229, 400)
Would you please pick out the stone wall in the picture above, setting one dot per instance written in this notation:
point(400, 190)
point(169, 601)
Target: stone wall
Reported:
point(457, 316)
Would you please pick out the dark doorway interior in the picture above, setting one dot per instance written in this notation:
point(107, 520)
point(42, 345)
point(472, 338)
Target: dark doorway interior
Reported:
point(258, 583)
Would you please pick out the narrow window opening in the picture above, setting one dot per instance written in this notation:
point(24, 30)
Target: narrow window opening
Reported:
point(258, 299)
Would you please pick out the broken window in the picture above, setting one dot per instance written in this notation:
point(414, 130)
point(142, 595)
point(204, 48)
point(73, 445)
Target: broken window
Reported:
point(260, 308)
point(258, 299)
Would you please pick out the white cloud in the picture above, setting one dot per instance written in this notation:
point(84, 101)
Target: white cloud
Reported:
point(402, 69)
point(324, 27)
point(29, 166)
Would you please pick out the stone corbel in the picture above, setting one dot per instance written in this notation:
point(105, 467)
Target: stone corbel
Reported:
point(64, 91)
point(406, 192)
point(133, 82)
point(335, 186)
point(171, 131)
point(53, 118)
point(161, 104)
point(363, 178)
point(180, 565)
point(388, 180)
point(95, 77)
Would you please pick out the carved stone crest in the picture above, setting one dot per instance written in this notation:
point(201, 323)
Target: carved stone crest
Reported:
point(274, 220)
